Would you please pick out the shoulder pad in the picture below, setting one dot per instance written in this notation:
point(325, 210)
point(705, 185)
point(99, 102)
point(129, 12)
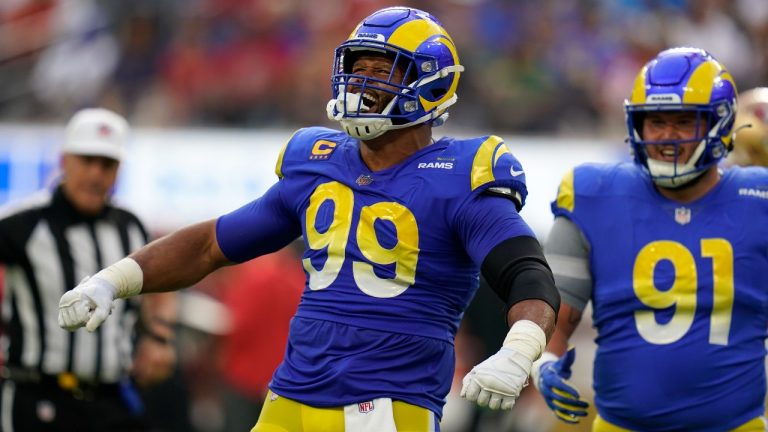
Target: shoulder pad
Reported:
point(496, 169)
point(565, 195)
point(756, 174)
point(594, 179)
point(314, 143)
point(749, 181)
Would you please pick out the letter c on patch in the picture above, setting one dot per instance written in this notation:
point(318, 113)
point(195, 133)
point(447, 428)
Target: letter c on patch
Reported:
point(323, 147)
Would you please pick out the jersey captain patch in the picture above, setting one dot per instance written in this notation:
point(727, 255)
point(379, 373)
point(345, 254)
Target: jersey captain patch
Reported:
point(322, 150)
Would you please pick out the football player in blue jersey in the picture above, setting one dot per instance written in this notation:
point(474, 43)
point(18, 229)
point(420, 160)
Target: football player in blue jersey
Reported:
point(671, 250)
point(397, 227)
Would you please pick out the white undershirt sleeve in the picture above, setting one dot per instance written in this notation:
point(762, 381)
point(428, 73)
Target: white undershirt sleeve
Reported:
point(567, 251)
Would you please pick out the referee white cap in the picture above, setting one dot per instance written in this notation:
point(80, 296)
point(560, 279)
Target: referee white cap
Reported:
point(96, 132)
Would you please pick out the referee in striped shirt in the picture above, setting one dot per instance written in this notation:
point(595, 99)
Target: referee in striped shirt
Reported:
point(53, 379)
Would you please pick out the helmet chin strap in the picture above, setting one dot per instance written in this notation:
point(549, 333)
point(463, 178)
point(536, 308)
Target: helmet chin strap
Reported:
point(672, 175)
point(348, 109)
point(344, 103)
point(676, 182)
point(373, 127)
point(360, 128)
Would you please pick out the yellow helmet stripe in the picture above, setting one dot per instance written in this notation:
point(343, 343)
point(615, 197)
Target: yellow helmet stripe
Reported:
point(698, 89)
point(354, 32)
point(565, 196)
point(638, 89)
point(485, 159)
point(413, 33)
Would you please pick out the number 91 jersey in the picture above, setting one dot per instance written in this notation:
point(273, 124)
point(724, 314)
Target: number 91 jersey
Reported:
point(680, 296)
point(392, 260)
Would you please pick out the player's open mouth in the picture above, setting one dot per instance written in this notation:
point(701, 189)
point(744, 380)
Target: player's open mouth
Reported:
point(668, 153)
point(671, 154)
point(368, 101)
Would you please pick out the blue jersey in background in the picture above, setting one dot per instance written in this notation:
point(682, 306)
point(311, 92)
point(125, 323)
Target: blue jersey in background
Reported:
point(680, 297)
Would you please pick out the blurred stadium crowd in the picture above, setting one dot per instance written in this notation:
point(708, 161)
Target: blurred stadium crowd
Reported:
point(533, 66)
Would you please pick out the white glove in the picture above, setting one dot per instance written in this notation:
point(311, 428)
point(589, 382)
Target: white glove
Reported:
point(90, 303)
point(498, 381)
point(87, 304)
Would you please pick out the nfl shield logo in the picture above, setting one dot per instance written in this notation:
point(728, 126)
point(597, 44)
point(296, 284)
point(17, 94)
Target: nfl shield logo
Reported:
point(365, 407)
point(682, 215)
point(364, 180)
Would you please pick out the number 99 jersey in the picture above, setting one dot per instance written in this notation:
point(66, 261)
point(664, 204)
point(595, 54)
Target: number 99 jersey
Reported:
point(392, 260)
point(679, 298)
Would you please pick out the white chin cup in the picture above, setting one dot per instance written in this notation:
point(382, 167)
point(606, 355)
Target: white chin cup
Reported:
point(365, 129)
point(337, 109)
point(655, 167)
point(356, 127)
point(671, 175)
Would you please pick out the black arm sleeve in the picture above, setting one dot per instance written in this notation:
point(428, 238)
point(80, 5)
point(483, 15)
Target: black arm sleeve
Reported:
point(517, 271)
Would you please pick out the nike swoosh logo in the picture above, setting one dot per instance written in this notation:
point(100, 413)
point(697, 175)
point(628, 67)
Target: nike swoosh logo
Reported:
point(515, 173)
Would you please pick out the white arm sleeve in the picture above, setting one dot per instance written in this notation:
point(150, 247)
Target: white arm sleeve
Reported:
point(567, 252)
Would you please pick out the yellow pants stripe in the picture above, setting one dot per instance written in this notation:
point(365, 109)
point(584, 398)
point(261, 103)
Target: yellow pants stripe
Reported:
point(281, 414)
point(758, 424)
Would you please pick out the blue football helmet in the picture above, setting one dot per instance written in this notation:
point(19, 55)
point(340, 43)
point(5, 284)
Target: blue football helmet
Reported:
point(683, 79)
point(417, 43)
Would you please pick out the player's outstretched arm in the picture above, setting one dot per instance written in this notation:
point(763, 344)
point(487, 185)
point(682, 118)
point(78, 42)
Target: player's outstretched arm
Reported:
point(172, 262)
point(550, 373)
point(517, 271)
point(180, 259)
point(498, 381)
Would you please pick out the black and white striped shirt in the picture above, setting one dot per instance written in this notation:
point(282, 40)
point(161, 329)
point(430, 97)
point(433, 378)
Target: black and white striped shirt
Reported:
point(47, 248)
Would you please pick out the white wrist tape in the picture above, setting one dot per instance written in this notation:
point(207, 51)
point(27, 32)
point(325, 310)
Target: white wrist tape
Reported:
point(527, 338)
point(536, 368)
point(126, 275)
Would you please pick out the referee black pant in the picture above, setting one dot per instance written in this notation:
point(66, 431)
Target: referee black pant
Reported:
point(44, 406)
